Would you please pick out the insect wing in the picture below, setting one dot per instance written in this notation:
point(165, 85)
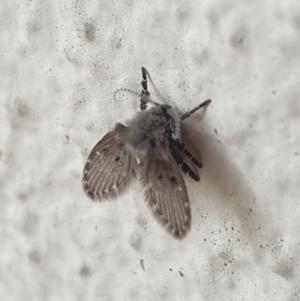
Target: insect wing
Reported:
point(166, 195)
point(110, 169)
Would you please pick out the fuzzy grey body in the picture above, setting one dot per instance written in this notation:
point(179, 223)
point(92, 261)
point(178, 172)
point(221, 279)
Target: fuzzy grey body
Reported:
point(150, 148)
point(151, 129)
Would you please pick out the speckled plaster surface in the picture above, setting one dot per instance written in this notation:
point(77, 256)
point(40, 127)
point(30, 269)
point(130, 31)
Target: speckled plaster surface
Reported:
point(60, 64)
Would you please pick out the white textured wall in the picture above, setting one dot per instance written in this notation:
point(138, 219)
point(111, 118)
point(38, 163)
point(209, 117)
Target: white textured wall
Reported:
point(61, 62)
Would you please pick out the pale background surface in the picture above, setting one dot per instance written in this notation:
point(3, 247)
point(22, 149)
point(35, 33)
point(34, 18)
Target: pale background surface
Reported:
point(60, 65)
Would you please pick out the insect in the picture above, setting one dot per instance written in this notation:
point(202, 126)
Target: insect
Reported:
point(150, 147)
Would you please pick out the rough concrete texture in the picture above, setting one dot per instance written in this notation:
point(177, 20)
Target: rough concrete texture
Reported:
point(61, 62)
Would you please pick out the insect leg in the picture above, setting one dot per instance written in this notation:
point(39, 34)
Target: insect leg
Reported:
point(185, 168)
point(181, 148)
point(203, 104)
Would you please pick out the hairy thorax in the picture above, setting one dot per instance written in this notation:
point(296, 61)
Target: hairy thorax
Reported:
point(150, 131)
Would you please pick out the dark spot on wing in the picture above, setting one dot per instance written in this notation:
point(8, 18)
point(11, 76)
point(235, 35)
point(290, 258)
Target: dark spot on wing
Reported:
point(173, 179)
point(152, 143)
point(176, 233)
point(117, 159)
point(159, 177)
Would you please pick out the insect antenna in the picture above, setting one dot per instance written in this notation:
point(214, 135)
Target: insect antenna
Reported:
point(145, 95)
point(202, 105)
point(125, 90)
point(145, 76)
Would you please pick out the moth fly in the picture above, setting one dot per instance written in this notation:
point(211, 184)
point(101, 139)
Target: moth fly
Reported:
point(151, 147)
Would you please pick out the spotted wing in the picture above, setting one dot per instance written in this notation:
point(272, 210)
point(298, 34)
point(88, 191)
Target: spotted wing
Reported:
point(110, 169)
point(166, 195)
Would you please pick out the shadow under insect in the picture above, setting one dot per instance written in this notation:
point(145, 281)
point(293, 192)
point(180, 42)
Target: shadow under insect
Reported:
point(228, 184)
